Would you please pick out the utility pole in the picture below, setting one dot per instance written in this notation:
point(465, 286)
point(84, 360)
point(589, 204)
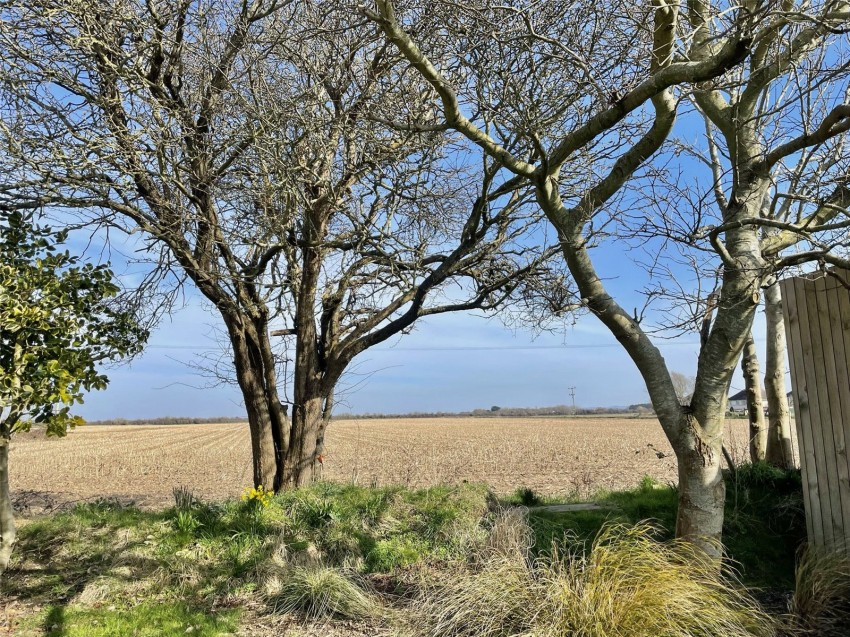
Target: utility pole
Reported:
point(573, 394)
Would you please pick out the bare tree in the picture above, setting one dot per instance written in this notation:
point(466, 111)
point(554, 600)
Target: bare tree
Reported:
point(793, 82)
point(774, 40)
point(684, 386)
point(244, 142)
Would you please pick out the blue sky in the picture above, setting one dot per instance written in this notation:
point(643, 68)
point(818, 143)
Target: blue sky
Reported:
point(453, 362)
point(449, 363)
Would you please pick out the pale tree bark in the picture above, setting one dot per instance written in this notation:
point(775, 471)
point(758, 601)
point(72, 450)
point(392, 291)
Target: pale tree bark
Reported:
point(7, 514)
point(695, 430)
point(701, 490)
point(737, 240)
point(755, 409)
point(780, 450)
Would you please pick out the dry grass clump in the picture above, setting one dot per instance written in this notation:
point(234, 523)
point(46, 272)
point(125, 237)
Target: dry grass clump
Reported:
point(319, 592)
point(510, 535)
point(627, 585)
point(822, 590)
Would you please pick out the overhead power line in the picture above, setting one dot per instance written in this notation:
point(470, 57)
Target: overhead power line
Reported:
point(456, 348)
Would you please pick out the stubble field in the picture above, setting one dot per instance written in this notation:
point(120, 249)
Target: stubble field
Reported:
point(553, 456)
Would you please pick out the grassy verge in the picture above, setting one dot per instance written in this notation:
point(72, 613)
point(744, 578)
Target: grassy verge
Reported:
point(383, 556)
point(143, 620)
point(103, 565)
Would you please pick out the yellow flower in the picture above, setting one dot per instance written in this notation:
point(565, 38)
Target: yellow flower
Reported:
point(259, 494)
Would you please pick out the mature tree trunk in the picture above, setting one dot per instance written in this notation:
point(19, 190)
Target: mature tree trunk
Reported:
point(699, 445)
point(254, 363)
point(702, 494)
point(7, 515)
point(313, 381)
point(307, 429)
point(755, 410)
point(696, 436)
point(780, 451)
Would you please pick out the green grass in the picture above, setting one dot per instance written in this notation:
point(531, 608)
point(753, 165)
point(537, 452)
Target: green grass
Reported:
point(764, 524)
point(103, 555)
point(143, 620)
point(648, 501)
point(328, 549)
point(379, 530)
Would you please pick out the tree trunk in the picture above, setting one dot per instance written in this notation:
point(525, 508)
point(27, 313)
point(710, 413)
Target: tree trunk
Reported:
point(755, 409)
point(702, 494)
point(780, 451)
point(699, 448)
point(266, 416)
point(7, 515)
point(305, 437)
point(313, 381)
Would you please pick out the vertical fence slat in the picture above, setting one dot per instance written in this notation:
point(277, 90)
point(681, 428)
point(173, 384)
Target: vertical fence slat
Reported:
point(838, 298)
point(817, 323)
point(811, 496)
point(812, 355)
point(828, 399)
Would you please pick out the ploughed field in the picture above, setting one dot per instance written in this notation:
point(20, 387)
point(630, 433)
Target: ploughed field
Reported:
point(552, 456)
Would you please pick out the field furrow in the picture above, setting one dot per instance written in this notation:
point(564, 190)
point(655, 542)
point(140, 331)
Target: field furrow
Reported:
point(554, 456)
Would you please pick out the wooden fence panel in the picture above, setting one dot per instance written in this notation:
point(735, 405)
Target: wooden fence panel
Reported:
point(817, 323)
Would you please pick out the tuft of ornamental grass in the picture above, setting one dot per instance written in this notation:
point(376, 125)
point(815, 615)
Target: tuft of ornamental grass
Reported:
point(628, 584)
point(822, 592)
point(510, 535)
point(319, 592)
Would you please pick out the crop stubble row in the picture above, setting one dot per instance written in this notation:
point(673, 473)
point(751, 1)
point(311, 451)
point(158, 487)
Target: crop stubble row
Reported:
point(550, 455)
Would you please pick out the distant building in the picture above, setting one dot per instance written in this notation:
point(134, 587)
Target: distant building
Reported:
point(738, 402)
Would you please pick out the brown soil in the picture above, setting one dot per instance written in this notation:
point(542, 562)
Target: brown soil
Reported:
point(552, 456)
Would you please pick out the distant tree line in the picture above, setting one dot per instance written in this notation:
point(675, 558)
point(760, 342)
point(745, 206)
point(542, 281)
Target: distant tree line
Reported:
point(508, 412)
point(168, 420)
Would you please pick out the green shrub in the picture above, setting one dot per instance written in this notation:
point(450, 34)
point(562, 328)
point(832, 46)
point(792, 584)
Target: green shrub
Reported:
point(765, 523)
point(526, 497)
point(764, 475)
